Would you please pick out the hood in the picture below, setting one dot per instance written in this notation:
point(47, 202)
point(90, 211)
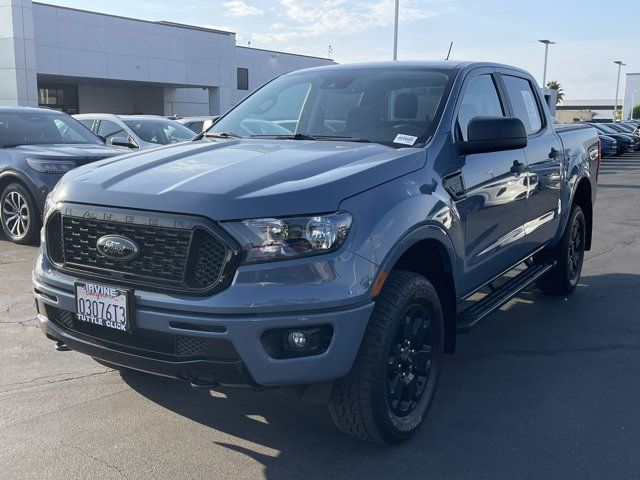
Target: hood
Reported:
point(80, 152)
point(239, 178)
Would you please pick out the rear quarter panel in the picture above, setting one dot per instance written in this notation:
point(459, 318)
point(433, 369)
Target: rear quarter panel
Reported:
point(580, 148)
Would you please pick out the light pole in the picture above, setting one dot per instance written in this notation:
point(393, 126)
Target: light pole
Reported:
point(395, 31)
point(615, 108)
point(546, 57)
point(633, 100)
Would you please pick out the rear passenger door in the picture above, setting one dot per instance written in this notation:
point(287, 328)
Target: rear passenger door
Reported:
point(544, 154)
point(494, 190)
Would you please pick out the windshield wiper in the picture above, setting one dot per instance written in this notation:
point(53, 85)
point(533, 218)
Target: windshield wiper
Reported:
point(307, 136)
point(206, 134)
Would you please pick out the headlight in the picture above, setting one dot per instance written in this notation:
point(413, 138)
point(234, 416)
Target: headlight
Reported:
point(51, 166)
point(266, 239)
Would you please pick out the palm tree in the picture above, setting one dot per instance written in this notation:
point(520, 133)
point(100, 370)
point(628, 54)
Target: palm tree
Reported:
point(555, 85)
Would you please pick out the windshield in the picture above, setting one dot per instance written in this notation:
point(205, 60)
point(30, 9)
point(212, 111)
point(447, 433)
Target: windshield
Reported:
point(392, 106)
point(604, 128)
point(33, 127)
point(159, 130)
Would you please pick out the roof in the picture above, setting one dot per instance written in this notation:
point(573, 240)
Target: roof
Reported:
point(426, 64)
point(285, 53)
point(160, 22)
point(105, 116)
point(29, 109)
point(588, 103)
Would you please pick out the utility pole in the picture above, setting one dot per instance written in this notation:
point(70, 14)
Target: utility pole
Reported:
point(395, 31)
point(546, 57)
point(615, 108)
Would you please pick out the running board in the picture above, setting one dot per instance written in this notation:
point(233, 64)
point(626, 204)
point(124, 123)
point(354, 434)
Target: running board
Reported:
point(470, 317)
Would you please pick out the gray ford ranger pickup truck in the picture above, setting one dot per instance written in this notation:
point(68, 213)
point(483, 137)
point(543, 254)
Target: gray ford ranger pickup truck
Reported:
point(324, 236)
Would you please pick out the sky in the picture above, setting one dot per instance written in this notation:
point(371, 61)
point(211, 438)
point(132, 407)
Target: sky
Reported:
point(590, 35)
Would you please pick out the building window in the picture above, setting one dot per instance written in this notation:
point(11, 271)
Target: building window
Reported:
point(58, 96)
point(243, 79)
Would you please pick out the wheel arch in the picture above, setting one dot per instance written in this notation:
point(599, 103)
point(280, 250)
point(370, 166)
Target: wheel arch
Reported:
point(583, 196)
point(429, 252)
point(12, 176)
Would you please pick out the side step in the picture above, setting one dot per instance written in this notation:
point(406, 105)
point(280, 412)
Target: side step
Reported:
point(470, 317)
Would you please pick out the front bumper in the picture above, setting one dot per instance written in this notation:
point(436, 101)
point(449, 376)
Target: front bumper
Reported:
point(234, 353)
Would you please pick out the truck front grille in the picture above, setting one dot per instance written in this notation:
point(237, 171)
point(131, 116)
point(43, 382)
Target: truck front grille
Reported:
point(169, 258)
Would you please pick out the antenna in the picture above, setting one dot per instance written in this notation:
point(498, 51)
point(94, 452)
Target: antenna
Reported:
point(449, 52)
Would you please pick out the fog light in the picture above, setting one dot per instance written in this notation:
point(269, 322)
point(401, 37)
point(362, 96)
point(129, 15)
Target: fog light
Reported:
point(297, 340)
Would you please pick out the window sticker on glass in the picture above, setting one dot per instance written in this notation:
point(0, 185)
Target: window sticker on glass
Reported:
point(405, 139)
point(532, 110)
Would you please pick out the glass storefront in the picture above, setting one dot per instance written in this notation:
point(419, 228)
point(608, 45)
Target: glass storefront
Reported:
point(59, 97)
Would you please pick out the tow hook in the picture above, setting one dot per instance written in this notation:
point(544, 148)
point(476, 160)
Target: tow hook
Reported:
point(62, 347)
point(198, 385)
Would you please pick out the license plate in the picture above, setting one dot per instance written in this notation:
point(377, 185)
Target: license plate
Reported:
point(103, 305)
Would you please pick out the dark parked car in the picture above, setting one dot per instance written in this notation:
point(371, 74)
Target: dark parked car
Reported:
point(37, 147)
point(626, 141)
point(622, 128)
point(335, 260)
point(608, 145)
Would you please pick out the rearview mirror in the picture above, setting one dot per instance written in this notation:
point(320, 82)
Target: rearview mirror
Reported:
point(493, 134)
point(122, 142)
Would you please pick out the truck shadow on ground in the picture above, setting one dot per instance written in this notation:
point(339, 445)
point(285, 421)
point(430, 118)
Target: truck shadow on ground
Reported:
point(529, 394)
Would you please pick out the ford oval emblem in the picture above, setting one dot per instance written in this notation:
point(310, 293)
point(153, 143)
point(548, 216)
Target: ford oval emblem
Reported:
point(117, 248)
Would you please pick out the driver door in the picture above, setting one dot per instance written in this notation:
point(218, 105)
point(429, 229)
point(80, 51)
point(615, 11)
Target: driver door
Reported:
point(492, 205)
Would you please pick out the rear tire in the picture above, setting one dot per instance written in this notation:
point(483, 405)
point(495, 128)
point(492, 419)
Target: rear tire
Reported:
point(568, 255)
point(19, 215)
point(391, 385)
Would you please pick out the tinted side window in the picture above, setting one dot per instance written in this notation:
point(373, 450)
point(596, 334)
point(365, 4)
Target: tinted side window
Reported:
point(108, 129)
point(87, 122)
point(523, 101)
point(195, 126)
point(480, 100)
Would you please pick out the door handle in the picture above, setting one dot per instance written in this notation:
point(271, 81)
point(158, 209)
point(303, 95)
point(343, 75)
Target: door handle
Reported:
point(518, 167)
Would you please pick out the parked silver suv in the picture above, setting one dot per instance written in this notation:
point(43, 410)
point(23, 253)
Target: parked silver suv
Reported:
point(135, 131)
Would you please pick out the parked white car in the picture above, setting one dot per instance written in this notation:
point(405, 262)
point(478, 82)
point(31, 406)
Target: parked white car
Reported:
point(198, 124)
point(135, 131)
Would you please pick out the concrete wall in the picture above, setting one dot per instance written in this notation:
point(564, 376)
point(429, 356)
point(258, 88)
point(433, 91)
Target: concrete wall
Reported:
point(121, 99)
point(18, 84)
point(176, 68)
point(84, 44)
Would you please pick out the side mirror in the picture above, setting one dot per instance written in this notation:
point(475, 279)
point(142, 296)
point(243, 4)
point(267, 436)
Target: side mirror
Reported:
point(122, 142)
point(493, 134)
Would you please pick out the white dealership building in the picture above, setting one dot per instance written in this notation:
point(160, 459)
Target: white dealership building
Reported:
point(81, 61)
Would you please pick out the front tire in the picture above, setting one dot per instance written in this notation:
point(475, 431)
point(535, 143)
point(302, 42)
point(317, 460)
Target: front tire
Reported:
point(568, 255)
point(391, 385)
point(19, 215)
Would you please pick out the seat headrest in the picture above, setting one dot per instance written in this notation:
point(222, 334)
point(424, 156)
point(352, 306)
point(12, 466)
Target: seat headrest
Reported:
point(406, 106)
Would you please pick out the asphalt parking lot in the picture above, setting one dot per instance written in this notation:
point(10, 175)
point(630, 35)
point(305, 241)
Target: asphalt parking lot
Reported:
point(545, 388)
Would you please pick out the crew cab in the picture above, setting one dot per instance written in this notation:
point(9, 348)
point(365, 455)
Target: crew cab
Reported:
point(324, 236)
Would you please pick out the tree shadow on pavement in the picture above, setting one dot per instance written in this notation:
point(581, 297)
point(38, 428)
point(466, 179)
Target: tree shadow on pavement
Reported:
point(541, 389)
